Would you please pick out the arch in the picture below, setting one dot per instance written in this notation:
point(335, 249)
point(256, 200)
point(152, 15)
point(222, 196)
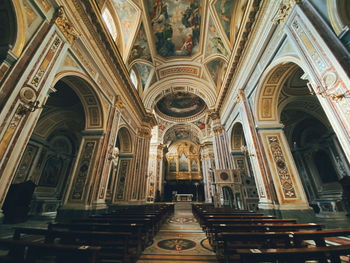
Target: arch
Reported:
point(339, 14)
point(13, 32)
point(237, 137)
point(173, 133)
point(266, 106)
point(125, 140)
point(195, 86)
point(87, 93)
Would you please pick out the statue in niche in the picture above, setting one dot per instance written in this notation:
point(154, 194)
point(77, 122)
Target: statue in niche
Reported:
point(115, 155)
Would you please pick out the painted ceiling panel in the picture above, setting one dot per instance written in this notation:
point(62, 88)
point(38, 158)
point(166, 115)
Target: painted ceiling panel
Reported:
point(144, 72)
point(214, 68)
point(214, 42)
point(224, 10)
point(140, 49)
point(127, 15)
point(176, 26)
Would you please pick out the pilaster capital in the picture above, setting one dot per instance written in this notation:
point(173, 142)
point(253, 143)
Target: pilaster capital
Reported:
point(144, 132)
point(284, 10)
point(65, 25)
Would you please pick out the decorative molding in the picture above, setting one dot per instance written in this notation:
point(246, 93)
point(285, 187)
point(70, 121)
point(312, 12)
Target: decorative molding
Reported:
point(45, 63)
point(183, 70)
point(284, 10)
point(284, 176)
point(65, 25)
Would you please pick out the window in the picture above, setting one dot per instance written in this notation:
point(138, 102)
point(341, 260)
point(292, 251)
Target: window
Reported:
point(133, 78)
point(107, 17)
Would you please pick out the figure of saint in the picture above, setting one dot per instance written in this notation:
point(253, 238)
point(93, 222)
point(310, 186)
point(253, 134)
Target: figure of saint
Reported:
point(186, 48)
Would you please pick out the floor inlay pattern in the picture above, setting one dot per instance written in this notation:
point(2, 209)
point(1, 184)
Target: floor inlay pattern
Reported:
point(179, 239)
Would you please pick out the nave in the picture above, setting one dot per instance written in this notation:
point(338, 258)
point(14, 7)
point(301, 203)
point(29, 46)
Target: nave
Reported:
point(176, 232)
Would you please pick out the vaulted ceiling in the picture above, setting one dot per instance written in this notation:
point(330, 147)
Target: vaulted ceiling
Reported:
point(180, 53)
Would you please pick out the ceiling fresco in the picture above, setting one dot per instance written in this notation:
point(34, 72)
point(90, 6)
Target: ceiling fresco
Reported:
point(126, 15)
point(144, 72)
point(181, 132)
point(215, 44)
point(180, 43)
point(180, 104)
point(224, 10)
point(215, 69)
point(176, 26)
point(140, 50)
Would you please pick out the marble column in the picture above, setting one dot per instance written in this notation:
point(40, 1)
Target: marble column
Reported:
point(208, 167)
point(79, 196)
point(155, 171)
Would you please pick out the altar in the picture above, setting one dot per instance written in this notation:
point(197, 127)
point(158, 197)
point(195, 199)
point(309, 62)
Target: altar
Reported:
point(184, 197)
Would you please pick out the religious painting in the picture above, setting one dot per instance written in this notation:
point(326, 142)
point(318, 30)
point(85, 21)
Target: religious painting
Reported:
point(176, 26)
point(215, 44)
point(183, 163)
point(144, 72)
point(172, 165)
point(181, 104)
point(140, 50)
point(214, 68)
point(126, 15)
point(194, 166)
point(52, 171)
point(224, 10)
point(181, 134)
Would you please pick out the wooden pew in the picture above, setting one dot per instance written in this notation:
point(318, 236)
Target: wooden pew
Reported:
point(30, 251)
point(213, 230)
point(299, 255)
point(227, 243)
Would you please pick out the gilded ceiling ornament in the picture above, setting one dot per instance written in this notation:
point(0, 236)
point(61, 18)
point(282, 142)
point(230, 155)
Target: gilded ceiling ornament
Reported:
point(284, 10)
point(66, 27)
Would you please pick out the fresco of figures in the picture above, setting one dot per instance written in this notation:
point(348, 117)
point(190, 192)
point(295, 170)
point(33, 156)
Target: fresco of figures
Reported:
point(176, 26)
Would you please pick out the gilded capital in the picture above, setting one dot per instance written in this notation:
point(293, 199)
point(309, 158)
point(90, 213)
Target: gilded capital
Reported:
point(65, 25)
point(284, 10)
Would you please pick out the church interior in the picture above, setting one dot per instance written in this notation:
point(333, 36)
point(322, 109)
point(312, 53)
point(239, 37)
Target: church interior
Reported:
point(175, 130)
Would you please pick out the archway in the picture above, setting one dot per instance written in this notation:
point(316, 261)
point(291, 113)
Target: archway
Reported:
point(314, 145)
point(53, 148)
point(284, 98)
point(117, 185)
point(246, 197)
point(183, 173)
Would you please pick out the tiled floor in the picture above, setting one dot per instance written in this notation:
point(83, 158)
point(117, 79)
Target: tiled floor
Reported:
point(180, 240)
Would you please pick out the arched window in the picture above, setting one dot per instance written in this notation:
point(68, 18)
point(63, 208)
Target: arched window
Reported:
point(133, 78)
point(107, 17)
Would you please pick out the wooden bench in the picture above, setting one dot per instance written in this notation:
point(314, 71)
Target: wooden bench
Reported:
point(30, 251)
point(284, 255)
point(215, 229)
point(227, 243)
point(114, 245)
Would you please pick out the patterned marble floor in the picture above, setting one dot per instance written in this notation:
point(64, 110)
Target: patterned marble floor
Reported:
point(179, 240)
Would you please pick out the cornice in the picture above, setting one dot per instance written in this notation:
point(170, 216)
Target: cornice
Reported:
point(90, 15)
point(239, 46)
